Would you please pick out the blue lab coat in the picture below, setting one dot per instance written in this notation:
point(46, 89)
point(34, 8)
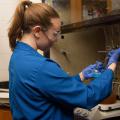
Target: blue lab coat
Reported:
point(40, 89)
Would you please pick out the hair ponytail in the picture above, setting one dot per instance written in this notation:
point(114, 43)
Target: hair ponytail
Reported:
point(26, 16)
point(15, 29)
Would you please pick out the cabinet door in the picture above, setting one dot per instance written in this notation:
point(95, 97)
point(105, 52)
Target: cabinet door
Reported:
point(5, 114)
point(1, 114)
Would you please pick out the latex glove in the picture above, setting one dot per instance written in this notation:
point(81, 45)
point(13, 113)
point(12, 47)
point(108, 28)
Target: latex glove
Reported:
point(113, 56)
point(93, 71)
point(99, 66)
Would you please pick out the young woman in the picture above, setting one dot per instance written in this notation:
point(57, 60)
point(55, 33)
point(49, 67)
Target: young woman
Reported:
point(39, 89)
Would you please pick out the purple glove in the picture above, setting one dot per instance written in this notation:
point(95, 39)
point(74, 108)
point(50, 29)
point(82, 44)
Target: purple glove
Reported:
point(93, 71)
point(113, 56)
point(99, 66)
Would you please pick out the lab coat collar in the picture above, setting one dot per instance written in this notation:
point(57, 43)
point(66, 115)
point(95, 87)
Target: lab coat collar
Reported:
point(25, 47)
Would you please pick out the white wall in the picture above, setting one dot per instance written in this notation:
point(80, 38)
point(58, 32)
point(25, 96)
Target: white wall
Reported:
point(36, 1)
point(7, 8)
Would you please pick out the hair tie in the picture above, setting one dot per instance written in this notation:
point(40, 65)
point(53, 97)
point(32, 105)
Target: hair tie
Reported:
point(26, 6)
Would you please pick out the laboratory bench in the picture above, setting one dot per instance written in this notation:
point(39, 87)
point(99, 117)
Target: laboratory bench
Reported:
point(96, 113)
point(5, 113)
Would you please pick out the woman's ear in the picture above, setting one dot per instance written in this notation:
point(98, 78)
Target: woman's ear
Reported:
point(36, 31)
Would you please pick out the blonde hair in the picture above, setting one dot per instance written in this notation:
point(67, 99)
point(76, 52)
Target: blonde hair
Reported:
point(28, 15)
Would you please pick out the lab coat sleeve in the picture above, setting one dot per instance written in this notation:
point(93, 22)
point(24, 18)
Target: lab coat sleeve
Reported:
point(61, 88)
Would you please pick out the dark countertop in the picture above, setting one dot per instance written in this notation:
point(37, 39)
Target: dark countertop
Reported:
point(4, 105)
point(4, 85)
